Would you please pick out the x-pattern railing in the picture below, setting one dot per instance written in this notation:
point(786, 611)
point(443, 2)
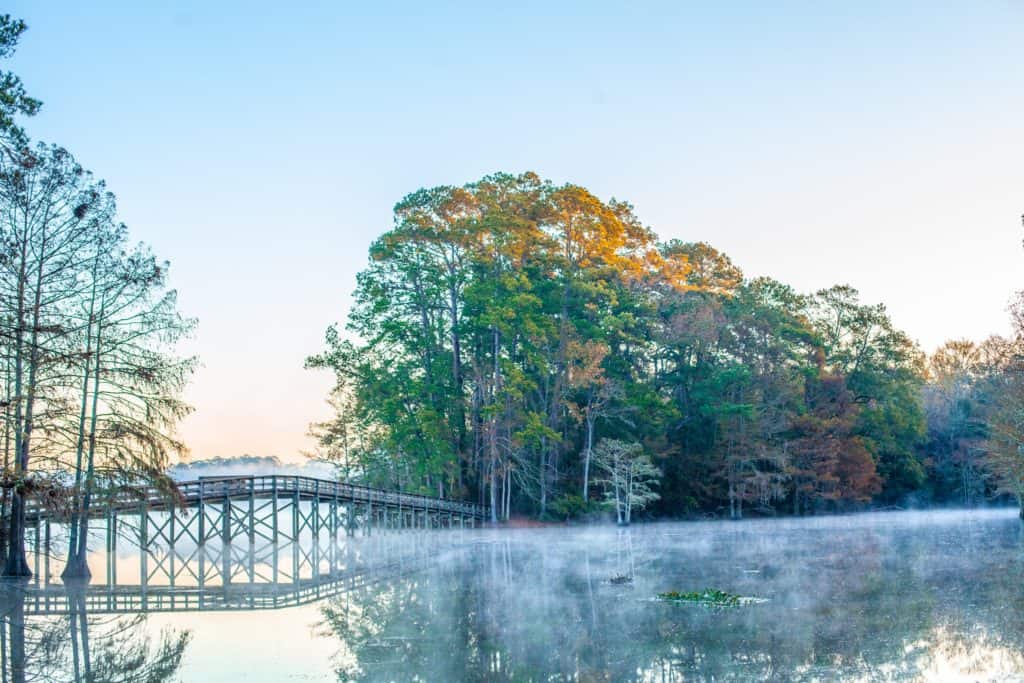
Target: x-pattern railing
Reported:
point(276, 485)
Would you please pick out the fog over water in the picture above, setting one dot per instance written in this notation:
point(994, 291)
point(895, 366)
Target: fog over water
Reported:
point(882, 596)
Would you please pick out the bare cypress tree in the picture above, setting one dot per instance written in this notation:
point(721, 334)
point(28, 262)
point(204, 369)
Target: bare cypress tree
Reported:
point(45, 198)
point(92, 384)
point(132, 381)
point(628, 477)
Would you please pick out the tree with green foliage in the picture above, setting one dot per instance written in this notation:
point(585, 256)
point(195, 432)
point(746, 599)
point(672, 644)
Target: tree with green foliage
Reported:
point(503, 328)
point(14, 101)
point(1004, 459)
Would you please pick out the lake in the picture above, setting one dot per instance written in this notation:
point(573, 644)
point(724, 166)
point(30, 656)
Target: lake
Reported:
point(880, 596)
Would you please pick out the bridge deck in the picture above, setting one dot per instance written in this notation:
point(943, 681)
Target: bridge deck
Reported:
point(276, 486)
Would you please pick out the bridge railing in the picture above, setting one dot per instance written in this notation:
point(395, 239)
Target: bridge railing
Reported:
point(262, 486)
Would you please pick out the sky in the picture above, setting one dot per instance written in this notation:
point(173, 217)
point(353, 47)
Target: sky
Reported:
point(260, 148)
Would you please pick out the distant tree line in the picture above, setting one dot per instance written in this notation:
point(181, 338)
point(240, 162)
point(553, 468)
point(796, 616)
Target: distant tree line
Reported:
point(90, 383)
point(513, 340)
point(247, 466)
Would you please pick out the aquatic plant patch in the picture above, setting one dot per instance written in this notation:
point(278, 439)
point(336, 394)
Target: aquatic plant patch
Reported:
point(709, 596)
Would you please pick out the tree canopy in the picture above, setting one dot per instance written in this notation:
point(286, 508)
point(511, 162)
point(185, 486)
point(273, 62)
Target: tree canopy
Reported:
point(504, 327)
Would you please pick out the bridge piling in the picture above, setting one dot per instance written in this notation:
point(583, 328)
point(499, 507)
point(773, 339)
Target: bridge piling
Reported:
point(144, 543)
point(252, 514)
point(170, 524)
point(274, 551)
point(314, 508)
point(296, 513)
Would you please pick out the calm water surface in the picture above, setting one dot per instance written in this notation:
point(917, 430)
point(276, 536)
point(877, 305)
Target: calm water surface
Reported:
point(893, 596)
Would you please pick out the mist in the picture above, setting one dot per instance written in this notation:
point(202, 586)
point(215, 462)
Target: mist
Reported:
point(929, 595)
point(250, 466)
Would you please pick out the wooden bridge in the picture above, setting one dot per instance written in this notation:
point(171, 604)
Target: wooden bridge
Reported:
point(260, 529)
point(405, 509)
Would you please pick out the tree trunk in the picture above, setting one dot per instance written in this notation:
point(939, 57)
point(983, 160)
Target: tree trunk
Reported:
point(586, 456)
point(459, 411)
point(542, 473)
point(618, 492)
point(17, 563)
point(494, 492)
point(76, 566)
point(508, 492)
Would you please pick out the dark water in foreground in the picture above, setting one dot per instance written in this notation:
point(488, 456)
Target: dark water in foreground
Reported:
point(893, 596)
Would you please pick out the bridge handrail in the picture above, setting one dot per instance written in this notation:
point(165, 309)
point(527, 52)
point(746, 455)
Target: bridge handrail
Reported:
point(217, 486)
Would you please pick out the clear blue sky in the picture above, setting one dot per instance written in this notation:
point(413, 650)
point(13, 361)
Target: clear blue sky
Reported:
point(260, 147)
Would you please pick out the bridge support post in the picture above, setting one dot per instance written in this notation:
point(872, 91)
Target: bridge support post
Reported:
point(144, 547)
point(369, 516)
point(273, 527)
point(296, 512)
point(334, 516)
point(46, 549)
point(171, 553)
point(201, 509)
point(225, 521)
point(111, 545)
point(332, 523)
point(225, 540)
point(252, 514)
point(314, 508)
point(251, 528)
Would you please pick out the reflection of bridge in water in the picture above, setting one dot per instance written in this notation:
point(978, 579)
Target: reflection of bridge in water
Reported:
point(370, 562)
point(238, 543)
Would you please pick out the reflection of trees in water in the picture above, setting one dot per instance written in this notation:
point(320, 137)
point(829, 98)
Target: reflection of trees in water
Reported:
point(516, 611)
point(82, 648)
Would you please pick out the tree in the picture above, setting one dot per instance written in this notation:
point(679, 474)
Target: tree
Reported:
point(131, 380)
point(830, 462)
point(1005, 457)
point(92, 381)
point(628, 478)
point(46, 201)
point(954, 404)
point(883, 369)
point(595, 392)
point(13, 99)
point(503, 327)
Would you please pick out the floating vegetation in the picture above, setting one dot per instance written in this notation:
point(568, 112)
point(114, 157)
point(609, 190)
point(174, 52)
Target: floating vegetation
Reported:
point(620, 579)
point(709, 596)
